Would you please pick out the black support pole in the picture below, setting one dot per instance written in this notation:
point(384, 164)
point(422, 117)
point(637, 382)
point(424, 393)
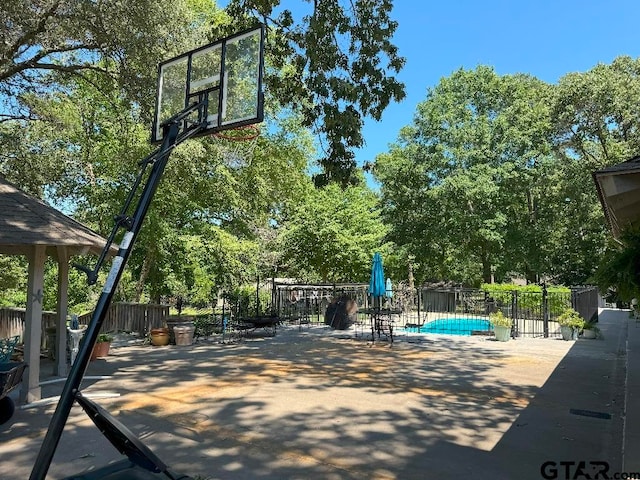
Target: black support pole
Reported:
point(72, 385)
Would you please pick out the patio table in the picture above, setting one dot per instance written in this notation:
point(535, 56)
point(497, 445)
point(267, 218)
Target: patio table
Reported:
point(381, 320)
point(268, 323)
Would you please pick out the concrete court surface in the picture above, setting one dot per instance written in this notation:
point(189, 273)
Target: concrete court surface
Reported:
point(318, 404)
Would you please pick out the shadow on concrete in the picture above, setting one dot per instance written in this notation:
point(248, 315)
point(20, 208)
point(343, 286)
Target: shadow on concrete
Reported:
point(308, 405)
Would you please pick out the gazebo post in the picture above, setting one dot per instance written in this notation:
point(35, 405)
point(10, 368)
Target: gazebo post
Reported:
point(30, 390)
point(35, 230)
point(60, 366)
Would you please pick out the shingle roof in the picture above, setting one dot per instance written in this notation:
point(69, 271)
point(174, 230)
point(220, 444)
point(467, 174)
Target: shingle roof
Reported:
point(628, 166)
point(618, 188)
point(26, 221)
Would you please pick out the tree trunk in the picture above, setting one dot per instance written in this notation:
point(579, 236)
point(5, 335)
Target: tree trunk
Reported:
point(410, 276)
point(486, 267)
point(144, 274)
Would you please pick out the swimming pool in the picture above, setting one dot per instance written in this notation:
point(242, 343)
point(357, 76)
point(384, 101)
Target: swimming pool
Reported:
point(454, 326)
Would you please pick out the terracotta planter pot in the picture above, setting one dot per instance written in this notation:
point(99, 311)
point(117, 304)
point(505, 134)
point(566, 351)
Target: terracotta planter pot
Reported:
point(100, 349)
point(159, 336)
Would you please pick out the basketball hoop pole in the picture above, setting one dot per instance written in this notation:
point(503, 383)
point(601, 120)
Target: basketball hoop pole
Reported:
point(171, 138)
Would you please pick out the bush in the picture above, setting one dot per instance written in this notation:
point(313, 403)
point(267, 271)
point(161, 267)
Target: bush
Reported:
point(571, 318)
point(530, 296)
point(244, 299)
point(104, 337)
point(497, 319)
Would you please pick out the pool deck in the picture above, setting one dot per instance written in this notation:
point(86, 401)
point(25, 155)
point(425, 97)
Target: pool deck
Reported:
point(319, 404)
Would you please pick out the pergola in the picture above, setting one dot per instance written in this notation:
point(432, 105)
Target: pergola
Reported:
point(30, 227)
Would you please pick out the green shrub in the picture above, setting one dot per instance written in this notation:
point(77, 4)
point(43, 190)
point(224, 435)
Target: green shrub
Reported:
point(104, 337)
point(497, 319)
point(530, 296)
point(245, 298)
point(571, 318)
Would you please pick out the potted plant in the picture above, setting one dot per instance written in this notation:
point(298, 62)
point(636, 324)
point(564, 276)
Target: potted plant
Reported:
point(501, 325)
point(590, 330)
point(159, 336)
point(571, 324)
point(101, 348)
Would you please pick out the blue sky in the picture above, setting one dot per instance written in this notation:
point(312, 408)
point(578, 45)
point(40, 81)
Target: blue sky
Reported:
point(544, 38)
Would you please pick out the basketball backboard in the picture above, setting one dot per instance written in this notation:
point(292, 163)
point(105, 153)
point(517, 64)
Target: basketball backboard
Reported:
point(228, 73)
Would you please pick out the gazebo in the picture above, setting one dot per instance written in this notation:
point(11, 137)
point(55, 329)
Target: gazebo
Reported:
point(30, 227)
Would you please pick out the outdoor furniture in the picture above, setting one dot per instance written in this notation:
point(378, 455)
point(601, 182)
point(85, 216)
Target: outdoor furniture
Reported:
point(360, 325)
point(7, 345)
point(299, 320)
point(266, 322)
point(381, 321)
point(10, 378)
point(233, 330)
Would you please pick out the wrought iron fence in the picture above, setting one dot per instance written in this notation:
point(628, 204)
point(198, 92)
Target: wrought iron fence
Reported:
point(444, 310)
point(309, 302)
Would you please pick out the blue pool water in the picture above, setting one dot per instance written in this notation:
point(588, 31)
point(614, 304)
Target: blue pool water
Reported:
point(454, 326)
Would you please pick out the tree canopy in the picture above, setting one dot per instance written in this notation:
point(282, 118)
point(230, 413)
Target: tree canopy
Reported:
point(334, 64)
point(491, 178)
point(494, 173)
point(77, 82)
point(45, 41)
point(332, 234)
point(336, 61)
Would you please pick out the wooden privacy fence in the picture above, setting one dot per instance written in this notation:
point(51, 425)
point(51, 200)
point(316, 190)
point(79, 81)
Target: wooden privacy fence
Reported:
point(12, 321)
point(135, 317)
point(121, 317)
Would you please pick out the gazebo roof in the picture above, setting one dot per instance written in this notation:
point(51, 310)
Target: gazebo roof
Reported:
point(30, 227)
point(26, 221)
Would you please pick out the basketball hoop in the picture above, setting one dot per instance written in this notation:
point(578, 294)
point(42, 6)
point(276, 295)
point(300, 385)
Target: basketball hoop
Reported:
point(239, 134)
point(236, 145)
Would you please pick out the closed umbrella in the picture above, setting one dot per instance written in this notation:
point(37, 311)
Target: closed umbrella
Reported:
point(377, 289)
point(388, 289)
point(377, 284)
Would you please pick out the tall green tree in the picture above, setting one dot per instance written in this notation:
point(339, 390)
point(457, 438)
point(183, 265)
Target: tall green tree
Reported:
point(97, 138)
point(596, 125)
point(332, 61)
point(619, 270)
point(332, 234)
point(465, 176)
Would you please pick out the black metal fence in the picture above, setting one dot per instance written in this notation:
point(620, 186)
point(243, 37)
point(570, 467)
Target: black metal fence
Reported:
point(444, 310)
point(309, 302)
point(534, 313)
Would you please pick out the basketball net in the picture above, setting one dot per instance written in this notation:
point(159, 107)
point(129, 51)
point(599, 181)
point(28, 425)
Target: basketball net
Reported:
point(237, 145)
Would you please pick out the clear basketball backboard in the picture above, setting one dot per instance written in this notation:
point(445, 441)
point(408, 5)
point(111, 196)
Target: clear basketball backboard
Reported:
point(228, 73)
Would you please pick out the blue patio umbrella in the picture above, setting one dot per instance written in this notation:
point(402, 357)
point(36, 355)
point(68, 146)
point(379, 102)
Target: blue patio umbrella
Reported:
point(388, 289)
point(377, 285)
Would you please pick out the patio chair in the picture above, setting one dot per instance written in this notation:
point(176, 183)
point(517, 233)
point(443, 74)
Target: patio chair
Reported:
point(233, 330)
point(361, 326)
point(300, 319)
point(7, 345)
